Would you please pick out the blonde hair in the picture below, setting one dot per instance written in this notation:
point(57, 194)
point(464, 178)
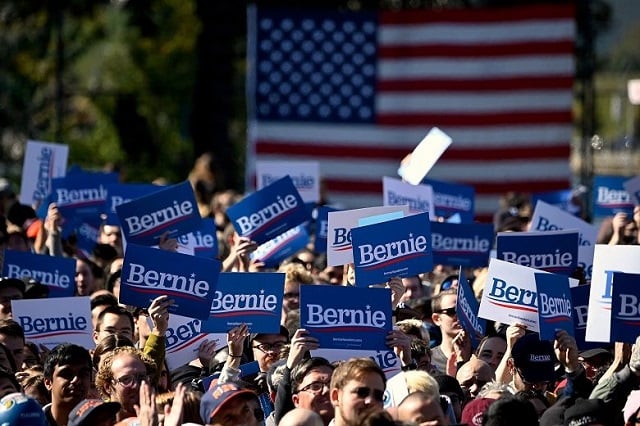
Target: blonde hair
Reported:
point(296, 273)
point(421, 381)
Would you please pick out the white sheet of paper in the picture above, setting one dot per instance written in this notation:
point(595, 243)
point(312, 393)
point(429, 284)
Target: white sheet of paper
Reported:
point(425, 155)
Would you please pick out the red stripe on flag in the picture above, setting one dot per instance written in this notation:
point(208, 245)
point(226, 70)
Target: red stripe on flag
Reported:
point(480, 119)
point(562, 47)
point(321, 149)
point(476, 85)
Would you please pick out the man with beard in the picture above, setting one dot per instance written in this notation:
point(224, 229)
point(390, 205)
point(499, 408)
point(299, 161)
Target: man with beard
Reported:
point(67, 375)
point(455, 342)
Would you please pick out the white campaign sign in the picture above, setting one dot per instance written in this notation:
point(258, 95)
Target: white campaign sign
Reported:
point(387, 360)
point(340, 223)
point(550, 218)
point(425, 156)
point(184, 338)
point(419, 198)
point(304, 174)
point(607, 260)
point(43, 161)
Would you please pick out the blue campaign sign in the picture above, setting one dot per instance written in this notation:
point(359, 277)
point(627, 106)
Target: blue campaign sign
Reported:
point(551, 251)
point(580, 301)
point(87, 230)
point(121, 193)
point(204, 241)
point(451, 198)
point(189, 280)
point(253, 298)
point(322, 228)
point(274, 251)
point(625, 309)
point(554, 305)
point(397, 248)
point(269, 212)
point(172, 210)
point(461, 244)
point(560, 199)
point(57, 273)
point(467, 311)
point(346, 317)
point(80, 194)
point(610, 197)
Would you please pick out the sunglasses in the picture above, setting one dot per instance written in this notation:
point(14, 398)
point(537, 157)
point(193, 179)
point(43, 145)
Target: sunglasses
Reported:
point(364, 392)
point(449, 312)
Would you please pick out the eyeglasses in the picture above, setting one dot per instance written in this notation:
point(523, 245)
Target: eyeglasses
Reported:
point(451, 312)
point(131, 379)
point(364, 392)
point(315, 387)
point(270, 347)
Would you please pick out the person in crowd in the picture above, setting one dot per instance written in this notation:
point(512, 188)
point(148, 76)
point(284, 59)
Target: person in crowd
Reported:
point(295, 275)
point(456, 344)
point(230, 404)
point(12, 337)
point(491, 349)
point(413, 288)
point(94, 412)
point(18, 409)
point(301, 416)
point(473, 375)
point(111, 235)
point(422, 409)
point(10, 289)
point(86, 283)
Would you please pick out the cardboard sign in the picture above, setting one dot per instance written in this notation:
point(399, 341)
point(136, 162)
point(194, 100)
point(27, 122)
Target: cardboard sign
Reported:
point(252, 298)
point(57, 273)
point(274, 251)
point(43, 161)
point(554, 305)
point(632, 186)
point(467, 311)
point(606, 261)
point(510, 295)
point(396, 248)
point(386, 359)
point(269, 212)
point(610, 197)
point(419, 198)
point(339, 319)
point(551, 251)
point(80, 194)
point(461, 244)
point(451, 199)
point(580, 302)
point(86, 230)
point(202, 242)
point(424, 156)
point(50, 322)
point(121, 193)
point(171, 210)
point(560, 199)
point(189, 280)
point(625, 308)
point(304, 174)
point(184, 338)
point(549, 218)
point(322, 229)
point(339, 235)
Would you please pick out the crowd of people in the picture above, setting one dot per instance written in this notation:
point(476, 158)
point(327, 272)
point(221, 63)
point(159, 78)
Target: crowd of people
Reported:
point(511, 377)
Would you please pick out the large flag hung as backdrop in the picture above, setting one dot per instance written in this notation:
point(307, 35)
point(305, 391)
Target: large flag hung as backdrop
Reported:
point(357, 91)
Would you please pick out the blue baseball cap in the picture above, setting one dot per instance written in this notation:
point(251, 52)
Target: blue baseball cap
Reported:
point(19, 409)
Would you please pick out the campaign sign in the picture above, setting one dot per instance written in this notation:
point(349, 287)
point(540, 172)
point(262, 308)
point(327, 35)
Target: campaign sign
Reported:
point(57, 273)
point(509, 295)
point(43, 161)
point(274, 251)
point(451, 198)
point(461, 244)
point(554, 305)
point(625, 308)
point(607, 260)
point(120, 193)
point(549, 218)
point(386, 358)
point(419, 198)
point(632, 186)
point(322, 228)
point(396, 248)
point(269, 212)
point(580, 302)
point(253, 298)
point(171, 210)
point(183, 338)
point(551, 251)
point(424, 156)
point(50, 322)
point(339, 231)
point(304, 174)
point(189, 280)
point(585, 261)
point(81, 193)
point(467, 311)
point(87, 230)
point(560, 199)
point(610, 197)
point(203, 242)
point(340, 319)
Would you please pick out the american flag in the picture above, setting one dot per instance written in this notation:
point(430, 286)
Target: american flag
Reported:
point(357, 91)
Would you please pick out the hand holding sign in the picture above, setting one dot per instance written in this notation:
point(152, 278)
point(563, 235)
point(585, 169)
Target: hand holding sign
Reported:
point(159, 314)
point(235, 340)
point(397, 290)
point(566, 351)
point(301, 343)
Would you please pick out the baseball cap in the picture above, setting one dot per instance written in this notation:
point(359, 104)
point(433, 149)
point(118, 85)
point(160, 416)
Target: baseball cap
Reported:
point(19, 409)
point(594, 352)
point(585, 412)
point(88, 411)
point(473, 412)
point(283, 332)
point(219, 395)
point(534, 358)
point(12, 282)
